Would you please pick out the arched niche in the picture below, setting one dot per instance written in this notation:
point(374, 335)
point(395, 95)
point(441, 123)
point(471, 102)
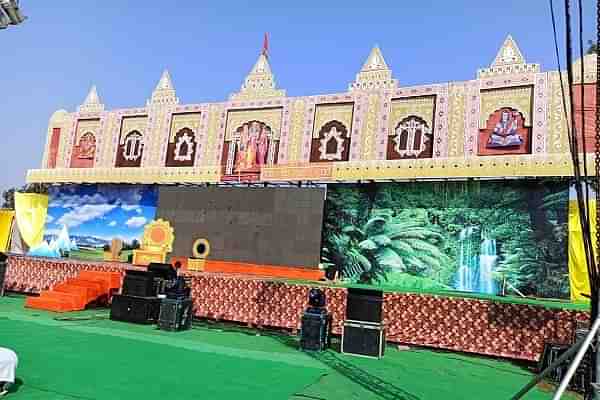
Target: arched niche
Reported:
point(412, 138)
point(331, 144)
point(181, 152)
point(84, 151)
point(251, 146)
point(505, 133)
point(130, 150)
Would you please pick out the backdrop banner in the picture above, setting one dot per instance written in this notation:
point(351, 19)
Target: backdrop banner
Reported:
point(6, 224)
point(578, 271)
point(31, 210)
point(83, 220)
point(481, 236)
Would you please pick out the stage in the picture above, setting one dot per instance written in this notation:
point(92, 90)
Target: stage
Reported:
point(104, 359)
point(486, 325)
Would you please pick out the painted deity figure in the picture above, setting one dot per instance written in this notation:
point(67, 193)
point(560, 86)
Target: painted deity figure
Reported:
point(263, 146)
point(505, 132)
point(87, 146)
point(253, 146)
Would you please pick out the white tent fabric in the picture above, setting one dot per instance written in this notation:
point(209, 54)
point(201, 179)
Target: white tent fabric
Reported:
point(8, 365)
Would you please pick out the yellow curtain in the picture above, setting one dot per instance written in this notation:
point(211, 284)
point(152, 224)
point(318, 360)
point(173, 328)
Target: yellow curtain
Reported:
point(31, 210)
point(578, 275)
point(6, 221)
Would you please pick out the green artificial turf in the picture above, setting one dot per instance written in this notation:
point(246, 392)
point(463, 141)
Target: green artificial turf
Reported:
point(83, 355)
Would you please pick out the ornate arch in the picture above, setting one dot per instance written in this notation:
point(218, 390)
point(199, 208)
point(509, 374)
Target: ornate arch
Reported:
point(331, 144)
point(130, 150)
point(181, 152)
point(411, 138)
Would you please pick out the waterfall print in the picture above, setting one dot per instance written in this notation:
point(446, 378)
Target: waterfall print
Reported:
point(471, 236)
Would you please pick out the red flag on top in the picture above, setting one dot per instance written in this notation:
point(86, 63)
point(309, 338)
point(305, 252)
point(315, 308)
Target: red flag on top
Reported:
point(265, 49)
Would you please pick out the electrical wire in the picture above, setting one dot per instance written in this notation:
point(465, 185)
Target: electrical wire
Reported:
point(583, 210)
point(583, 205)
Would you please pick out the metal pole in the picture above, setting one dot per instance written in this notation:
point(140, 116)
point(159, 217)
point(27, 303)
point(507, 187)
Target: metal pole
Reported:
point(595, 373)
point(577, 360)
point(537, 379)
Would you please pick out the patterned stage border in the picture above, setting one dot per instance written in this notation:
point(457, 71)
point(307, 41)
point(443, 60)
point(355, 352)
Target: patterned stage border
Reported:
point(509, 330)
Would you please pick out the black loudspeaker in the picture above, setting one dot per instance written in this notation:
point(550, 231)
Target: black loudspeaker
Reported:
point(315, 331)
point(163, 271)
point(581, 380)
point(3, 266)
point(363, 339)
point(175, 315)
point(364, 305)
point(139, 283)
point(139, 310)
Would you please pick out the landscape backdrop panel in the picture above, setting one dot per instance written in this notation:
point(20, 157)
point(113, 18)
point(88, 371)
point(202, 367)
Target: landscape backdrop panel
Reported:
point(478, 236)
point(93, 215)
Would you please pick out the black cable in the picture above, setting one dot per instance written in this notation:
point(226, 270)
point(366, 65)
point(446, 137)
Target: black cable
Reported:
point(584, 216)
point(582, 90)
point(583, 211)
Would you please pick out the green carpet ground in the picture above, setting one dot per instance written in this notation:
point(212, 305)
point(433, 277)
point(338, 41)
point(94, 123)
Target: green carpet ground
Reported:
point(86, 356)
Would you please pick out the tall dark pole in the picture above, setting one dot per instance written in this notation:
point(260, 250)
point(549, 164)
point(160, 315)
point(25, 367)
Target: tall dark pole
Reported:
point(595, 300)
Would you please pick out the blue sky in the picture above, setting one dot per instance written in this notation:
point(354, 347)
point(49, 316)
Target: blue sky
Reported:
point(106, 211)
point(49, 62)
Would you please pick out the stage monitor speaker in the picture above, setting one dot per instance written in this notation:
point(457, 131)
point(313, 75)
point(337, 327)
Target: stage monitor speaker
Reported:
point(138, 283)
point(315, 331)
point(3, 266)
point(139, 310)
point(364, 305)
point(175, 315)
point(581, 380)
point(366, 340)
point(163, 271)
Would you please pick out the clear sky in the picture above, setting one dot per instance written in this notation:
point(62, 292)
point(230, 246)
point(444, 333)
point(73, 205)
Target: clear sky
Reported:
point(65, 46)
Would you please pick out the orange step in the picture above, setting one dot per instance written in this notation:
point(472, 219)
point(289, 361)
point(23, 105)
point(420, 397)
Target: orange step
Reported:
point(76, 293)
point(74, 300)
point(99, 287)
point(113, 279)
point(47, 304)
point(90, 294)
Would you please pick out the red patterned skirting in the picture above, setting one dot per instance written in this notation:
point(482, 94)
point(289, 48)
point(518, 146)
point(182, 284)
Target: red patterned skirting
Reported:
point(516, 331)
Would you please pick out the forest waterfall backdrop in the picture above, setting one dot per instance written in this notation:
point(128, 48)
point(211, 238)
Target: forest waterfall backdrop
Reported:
point(472, 236)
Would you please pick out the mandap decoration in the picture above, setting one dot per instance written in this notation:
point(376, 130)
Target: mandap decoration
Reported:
point(505, 122)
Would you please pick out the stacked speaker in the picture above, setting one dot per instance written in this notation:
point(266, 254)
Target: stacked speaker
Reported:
point(138, 302)
point(363, 332)
point(175, 314)
point(156, 295)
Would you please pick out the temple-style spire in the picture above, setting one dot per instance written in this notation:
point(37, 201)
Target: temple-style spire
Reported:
point(375, 74)
point(509, 60)
point(164, 93)
point(92, 102)
point(260, 82)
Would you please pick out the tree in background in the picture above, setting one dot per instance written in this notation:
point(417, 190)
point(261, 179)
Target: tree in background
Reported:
point(8, 196)
point(413, 230)
point(8, 199)
point(367, 243)
point(592, 47)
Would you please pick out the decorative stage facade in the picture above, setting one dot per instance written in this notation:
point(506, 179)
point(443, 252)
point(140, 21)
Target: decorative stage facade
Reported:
point(431, 192)
point(508, 122)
